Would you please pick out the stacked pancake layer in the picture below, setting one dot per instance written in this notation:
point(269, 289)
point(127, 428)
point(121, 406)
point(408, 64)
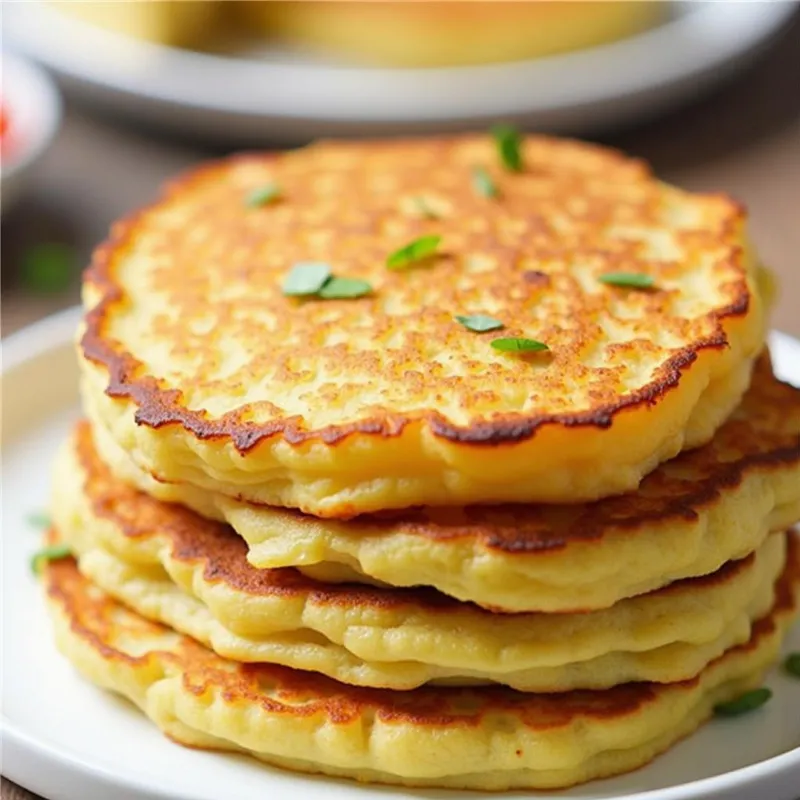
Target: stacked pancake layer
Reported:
point(689, 517)
point(350, 536)
point(488, 738)
point(192, 574)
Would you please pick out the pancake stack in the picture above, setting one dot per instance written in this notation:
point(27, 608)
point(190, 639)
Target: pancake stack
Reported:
point(454, 462)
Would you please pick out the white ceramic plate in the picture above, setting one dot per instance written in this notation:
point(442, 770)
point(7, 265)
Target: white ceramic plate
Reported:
point(67, 740)
point(275, 94)
point(32, 103)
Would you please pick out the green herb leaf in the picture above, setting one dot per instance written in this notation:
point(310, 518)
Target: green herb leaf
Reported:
point(509, 146)
point(482, 182)
point(344, 288)
point(306, 278)
point(49, 267)
point(414, 251)
point(480, 323)
point(424, 208)
point(268, 193)
point(749, 701)
point(792, 664)
point(53, 552)
point(38, 519)
point(628, 280)
point(518, 345)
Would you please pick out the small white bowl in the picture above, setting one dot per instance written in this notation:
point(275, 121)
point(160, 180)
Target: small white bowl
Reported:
point(32, 105)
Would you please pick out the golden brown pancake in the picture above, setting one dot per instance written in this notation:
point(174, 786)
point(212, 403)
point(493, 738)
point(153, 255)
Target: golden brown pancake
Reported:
point(192, 574)
point(706, 507)
point(479, 738)
point(201, 368)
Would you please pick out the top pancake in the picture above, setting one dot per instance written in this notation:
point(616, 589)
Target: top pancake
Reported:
point(207, 374)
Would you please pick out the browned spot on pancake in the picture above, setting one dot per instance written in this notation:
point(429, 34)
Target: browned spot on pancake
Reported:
point(223, 554)
point(593, 189)
point(536, 278)
point(279, 690)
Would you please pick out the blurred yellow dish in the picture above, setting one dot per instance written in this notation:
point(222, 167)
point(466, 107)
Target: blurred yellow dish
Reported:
point(180, 23)
point(449, 33)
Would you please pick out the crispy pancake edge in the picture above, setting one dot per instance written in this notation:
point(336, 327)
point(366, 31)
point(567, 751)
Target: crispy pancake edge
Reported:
point(63, 585)
point(223, 554)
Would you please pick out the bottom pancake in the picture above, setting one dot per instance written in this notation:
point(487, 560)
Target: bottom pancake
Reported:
point(479, 738)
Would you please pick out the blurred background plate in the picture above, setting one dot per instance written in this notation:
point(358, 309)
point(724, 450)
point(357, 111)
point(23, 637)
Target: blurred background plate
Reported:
point(30, 110)
point(271, 92)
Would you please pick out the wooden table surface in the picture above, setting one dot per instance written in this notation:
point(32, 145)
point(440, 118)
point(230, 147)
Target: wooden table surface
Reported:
point(744, 139)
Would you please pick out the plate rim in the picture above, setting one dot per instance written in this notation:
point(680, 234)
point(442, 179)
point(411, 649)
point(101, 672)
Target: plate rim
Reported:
point(57, 330)
point(755, 24)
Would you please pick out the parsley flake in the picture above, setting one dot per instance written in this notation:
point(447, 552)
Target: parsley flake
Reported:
point(747, 702)
point(482, 182)
point(627, 280)
point(509, 146)
point(344, 288)
point(306, 278)
point(792, 664)
point(518, 345)
point(264, 195)
point(415, 251)
point(48, 267)
point(480, 323)
point(53, 552)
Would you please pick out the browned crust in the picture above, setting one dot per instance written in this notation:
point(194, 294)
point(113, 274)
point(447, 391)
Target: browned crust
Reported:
point(93, 620)
point(223, 554)
point(158, 406)
point(767, 436)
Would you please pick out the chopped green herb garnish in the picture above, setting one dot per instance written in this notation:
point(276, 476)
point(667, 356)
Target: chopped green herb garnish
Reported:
point(518, 345)
point(48, 267)
point(306, 278)
point(268, 193)
point(344, 288)
point(482, 182)
point(53, 552)
point(480, 323)
point(312, 279)
point(792, 664)
point(415, 251)
point(509, 146)
point(38, 519)
point(424, 208)
point(749, 701)
point(628, 280)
